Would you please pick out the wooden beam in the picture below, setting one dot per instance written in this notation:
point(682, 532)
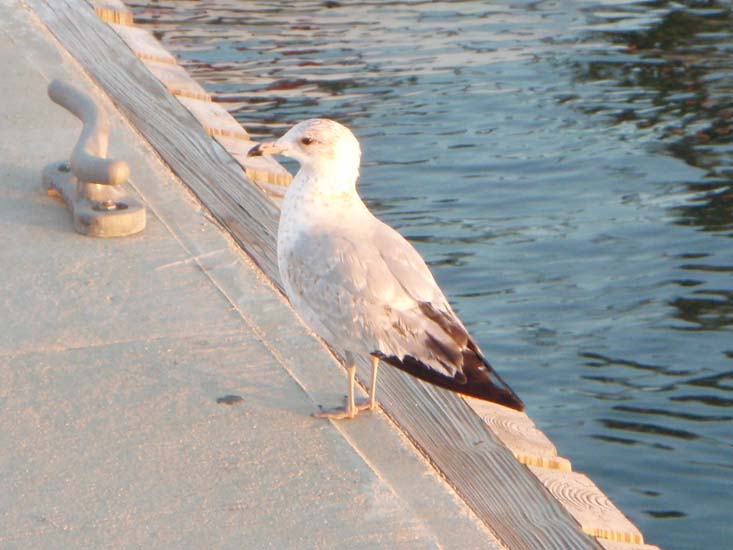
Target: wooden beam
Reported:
point(215, 119)
point(500, 490)
point(519, 433)
point(143, 44)
point(177, 80)
point(113, 11)
point(597, 515)
point(261, 170)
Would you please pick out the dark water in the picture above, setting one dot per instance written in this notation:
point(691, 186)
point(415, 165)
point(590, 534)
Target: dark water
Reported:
point(566, 168)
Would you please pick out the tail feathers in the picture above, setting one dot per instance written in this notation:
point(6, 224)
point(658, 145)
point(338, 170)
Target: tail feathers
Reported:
point(478, 379)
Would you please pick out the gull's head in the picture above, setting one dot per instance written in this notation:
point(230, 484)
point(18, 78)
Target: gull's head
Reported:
point(317, 144)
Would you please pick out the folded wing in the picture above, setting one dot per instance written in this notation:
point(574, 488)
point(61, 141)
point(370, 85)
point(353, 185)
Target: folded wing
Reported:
point(374, 294)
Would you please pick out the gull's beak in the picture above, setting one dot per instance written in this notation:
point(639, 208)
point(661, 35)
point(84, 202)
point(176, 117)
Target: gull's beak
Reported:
point(265, 148)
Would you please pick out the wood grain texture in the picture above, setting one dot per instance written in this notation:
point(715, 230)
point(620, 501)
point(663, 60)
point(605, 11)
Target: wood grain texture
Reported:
point(500, 490)
point(113, 11)
point(520, 434)
point(143, 44)
point(265, 171)
point(482, 470)
point(214, 118)
point(597, 515)
point(177, 80)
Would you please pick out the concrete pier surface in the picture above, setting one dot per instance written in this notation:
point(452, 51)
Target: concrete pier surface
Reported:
point(114, 354)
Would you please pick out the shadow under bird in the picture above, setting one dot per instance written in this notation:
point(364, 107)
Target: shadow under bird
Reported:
point(359, 284)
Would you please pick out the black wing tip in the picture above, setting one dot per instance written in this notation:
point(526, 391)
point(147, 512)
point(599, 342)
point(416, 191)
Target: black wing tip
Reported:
point(481, 388)
point(509, 400)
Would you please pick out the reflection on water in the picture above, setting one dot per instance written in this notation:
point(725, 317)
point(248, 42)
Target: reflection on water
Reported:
point(675, 78)
point(566, 169)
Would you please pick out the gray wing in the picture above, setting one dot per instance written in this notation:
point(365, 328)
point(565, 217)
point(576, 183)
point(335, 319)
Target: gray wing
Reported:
point(372, 293)
point(343, 288)
point(444, 332)
point(377, 294)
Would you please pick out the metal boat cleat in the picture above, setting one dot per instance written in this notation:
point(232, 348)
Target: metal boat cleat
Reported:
point(90, 183)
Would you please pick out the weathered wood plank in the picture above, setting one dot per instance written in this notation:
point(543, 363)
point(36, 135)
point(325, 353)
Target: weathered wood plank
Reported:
point(143, 44)
point(214, 118)
point(502, 492)
point(177, 80)
point(113, 11)
point(482, 470)
point(597, 515)
point(261, 170)
point(520, 434)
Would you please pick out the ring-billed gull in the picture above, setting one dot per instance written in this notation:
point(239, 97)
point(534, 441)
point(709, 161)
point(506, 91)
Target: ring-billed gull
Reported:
point(358, 283)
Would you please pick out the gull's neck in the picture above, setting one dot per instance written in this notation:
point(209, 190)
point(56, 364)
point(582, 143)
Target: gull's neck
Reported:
point(328, 180)
point(320, 196)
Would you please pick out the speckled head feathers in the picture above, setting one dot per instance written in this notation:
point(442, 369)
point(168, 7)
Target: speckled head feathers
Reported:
point(321, 140)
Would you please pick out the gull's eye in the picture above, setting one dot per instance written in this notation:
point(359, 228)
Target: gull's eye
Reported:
point(306, 140)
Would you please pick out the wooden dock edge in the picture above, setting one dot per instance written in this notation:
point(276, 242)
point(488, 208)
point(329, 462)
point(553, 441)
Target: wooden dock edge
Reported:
point(457, 452)
point(266, 172)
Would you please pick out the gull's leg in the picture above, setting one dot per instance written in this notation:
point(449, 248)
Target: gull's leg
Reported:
point(371, 404)
point(350, 410)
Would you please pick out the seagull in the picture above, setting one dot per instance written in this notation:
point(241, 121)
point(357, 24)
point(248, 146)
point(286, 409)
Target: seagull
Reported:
point(359, 284)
